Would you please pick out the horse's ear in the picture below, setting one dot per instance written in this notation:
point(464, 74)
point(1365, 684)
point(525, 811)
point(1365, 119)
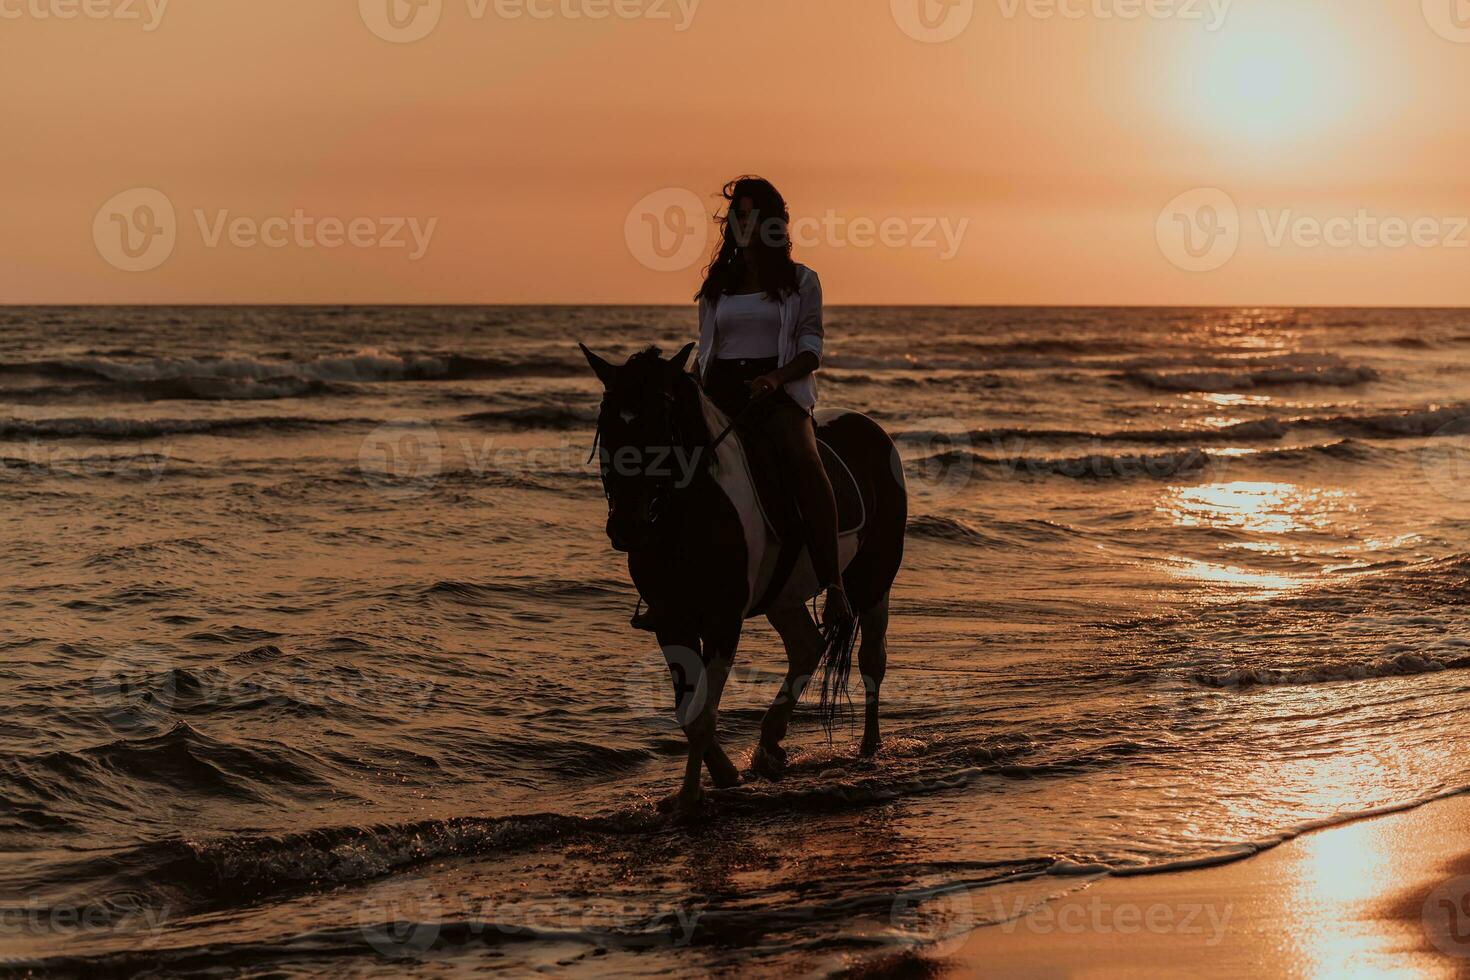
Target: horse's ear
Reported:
point(605, 371)
point(680, 361)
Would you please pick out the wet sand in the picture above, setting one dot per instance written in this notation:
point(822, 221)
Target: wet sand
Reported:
point(1385, 896)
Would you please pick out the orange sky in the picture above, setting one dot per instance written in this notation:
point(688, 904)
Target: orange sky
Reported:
point(521, 146)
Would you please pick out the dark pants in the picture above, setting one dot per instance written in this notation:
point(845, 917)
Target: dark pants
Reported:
point(794, 434)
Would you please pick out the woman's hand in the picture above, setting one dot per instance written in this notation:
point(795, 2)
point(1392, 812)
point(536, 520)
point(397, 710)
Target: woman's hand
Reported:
point(766, 384)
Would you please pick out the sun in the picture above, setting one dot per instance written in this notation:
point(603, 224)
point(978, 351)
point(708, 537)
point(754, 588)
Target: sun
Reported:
point(1283, 75)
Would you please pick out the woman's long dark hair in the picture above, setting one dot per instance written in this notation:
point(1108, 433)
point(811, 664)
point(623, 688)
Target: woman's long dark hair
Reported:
point(770, 242)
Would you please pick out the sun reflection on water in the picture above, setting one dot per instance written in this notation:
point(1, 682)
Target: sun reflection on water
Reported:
point(1276, 510)
point(1339, 878)
point(1261, 508)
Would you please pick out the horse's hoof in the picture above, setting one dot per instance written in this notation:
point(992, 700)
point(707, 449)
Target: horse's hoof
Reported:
point(681, 802)
point(770, 763)
point(688, 809)
point(727, 780)
point(869, 748)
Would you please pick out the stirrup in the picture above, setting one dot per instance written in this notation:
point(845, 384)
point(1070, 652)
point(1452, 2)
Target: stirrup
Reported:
point(643, 620)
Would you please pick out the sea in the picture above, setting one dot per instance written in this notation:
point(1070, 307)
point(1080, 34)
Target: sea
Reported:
point(315, 657)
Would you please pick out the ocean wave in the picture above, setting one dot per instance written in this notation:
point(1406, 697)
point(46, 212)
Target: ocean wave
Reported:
point(369, 941)
point(477, 593)
point(1161, 466)
point(181, 759)
point(1406, 423)
point(137, 429)
point(1403, 664)
point(143, 379)
point(136, 466)
point(1229, 381)
point(368, 365)
point(948, 529)
point(989, 531)
point(1097, 466)
point(535, 417)
point(240, 869)
point(173, 389)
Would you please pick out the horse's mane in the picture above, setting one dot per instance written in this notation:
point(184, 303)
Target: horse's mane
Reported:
point(647, 356)
point(688, 408)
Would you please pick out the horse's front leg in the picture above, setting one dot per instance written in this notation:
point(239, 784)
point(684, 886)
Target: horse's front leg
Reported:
point(700, 673)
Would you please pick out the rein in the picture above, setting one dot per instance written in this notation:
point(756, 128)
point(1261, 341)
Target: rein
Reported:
point(734, 420)
point(674, 431)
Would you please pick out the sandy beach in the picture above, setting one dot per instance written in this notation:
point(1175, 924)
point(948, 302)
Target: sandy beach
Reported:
point(1384, 896)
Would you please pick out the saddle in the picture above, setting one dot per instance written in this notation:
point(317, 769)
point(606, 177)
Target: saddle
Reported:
point(776, 498)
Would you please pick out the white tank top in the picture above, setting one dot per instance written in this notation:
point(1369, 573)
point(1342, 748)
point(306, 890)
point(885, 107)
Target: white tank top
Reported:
point(749, 326)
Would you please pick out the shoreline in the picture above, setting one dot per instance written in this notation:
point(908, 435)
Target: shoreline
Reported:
point(1384, 893)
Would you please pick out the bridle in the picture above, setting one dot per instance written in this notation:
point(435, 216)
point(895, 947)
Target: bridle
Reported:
point(666, 487)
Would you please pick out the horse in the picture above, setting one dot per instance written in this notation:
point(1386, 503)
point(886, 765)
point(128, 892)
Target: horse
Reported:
point(683, 487)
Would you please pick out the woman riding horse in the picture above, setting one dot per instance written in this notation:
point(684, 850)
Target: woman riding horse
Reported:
point(683, 501)
point(760, 345)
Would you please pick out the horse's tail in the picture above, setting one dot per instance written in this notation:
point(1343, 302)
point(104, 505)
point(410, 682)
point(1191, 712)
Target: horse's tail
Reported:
point(836, 661)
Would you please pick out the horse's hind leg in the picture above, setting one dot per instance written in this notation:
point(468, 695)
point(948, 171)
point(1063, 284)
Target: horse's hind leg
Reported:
point(803, 641)
point(873, 663)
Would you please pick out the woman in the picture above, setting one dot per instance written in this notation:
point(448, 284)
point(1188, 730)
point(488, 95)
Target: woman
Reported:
point(760, 345)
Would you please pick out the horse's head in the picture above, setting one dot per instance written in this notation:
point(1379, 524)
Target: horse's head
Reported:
point(644, 454)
